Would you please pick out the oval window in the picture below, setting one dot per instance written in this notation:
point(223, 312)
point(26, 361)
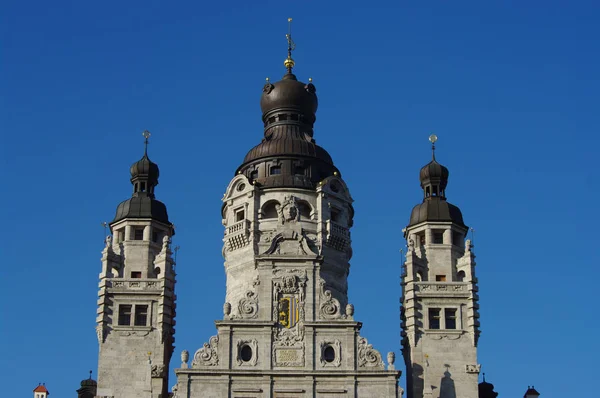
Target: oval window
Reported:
point(329, 354)
point(246, 353)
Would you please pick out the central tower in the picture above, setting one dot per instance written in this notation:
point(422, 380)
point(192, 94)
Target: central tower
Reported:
point(288, 329)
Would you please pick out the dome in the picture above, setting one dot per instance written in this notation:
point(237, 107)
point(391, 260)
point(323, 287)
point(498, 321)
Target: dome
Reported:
point(142, 206)
point(88, 383)
point(433, 172)
point(289, 94)
point(436, 209)
point(146, 168)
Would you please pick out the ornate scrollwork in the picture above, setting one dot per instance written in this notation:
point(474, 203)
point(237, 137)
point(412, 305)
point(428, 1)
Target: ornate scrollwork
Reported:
point(248, 306)
point(207, 355)
point(368, 357)
point(330, 306)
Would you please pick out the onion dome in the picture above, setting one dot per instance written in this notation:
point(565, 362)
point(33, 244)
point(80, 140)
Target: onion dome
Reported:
point(288, 155)
point(434, 179)
point(142, 204)
point(88, 388)
point(486, 390)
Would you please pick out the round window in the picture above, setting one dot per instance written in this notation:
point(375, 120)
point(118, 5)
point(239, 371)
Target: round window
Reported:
point(329, 354)
point(241, 187)
point(246, 353)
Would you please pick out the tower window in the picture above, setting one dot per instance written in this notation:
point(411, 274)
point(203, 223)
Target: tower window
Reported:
point(269, 209)
point(457, 239)
point(136, 274)
point(141, 315)
point(124, 314)
point(450, 314)
point(335, 215)
point(239, 215)
point(246, 353)
point(434, 318)
point(143, 187)
point(438, 237)
point(138, 234)
point(460, 276)
point(155, 236)
point(329, 354)
point(440, 278)
point(421, 239)
point(254, 175)
point(300, 171)
point(283, 117)
point(275, 170)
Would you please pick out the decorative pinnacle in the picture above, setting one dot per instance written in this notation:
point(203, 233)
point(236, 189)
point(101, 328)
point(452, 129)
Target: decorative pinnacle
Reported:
point(289, 62)
point(433, 138)
point(146, 135)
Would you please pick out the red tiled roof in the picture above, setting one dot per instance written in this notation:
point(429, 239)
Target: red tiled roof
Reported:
point(41, 388)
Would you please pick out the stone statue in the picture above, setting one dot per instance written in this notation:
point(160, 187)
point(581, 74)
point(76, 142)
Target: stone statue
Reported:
point(165, 243)
point(226, 310)
point(108, 241)
point(350, 310)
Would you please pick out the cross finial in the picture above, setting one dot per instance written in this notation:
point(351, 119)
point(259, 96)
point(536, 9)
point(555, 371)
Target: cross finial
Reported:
point(146, 135)
point(289, 62)
point(90, 375)
point(433, 138)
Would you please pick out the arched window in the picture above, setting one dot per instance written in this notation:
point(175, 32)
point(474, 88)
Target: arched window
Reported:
point(304, 209)
point(269, 209)
point(460, 276)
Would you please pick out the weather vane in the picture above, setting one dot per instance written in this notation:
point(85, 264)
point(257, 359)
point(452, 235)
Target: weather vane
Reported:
point(146, 135)
point(433, 138)
point(289, 62)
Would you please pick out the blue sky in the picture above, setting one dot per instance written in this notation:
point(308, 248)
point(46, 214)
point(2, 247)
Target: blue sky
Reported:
point(510, 88)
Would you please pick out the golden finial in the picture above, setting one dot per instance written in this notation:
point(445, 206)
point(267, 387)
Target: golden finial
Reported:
point(310, 79)
point(433, 138)
point(268, 80)
point(289, 62)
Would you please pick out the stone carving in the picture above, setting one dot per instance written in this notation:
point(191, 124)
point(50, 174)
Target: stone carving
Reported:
point(337, 348)
point(469, 246)
point(141, 333)
point(288, 210)
point(159, 371)
point(473, 368)
point(253, 344)
point(391, 358)
point(453, 336)
point(101, 332)
point(248, 306)
point(226, 310)
point(185, 356)
point(368, 357)
point(411, 245)
point(350, 310)
point(166, 243)
point(108, 242)
point(207, 355)
point(330, 306)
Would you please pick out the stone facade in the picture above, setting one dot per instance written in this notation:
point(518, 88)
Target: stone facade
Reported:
point(136, 310)
point(440, 312)
point(287, 328)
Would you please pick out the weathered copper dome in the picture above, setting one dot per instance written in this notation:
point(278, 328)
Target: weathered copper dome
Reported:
point(290, 96)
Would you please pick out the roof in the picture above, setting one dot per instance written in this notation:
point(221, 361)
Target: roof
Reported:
point(41, 388)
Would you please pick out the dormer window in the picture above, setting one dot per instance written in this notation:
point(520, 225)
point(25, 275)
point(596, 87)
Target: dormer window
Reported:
point(239, 215)
point(275, 170)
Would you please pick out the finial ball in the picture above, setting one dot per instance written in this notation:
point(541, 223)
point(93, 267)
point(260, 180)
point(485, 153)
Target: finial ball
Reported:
point(289, 19)
point(433, 138)
point(146, 134)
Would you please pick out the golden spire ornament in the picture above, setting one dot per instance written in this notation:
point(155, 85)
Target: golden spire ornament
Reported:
point(289, 62)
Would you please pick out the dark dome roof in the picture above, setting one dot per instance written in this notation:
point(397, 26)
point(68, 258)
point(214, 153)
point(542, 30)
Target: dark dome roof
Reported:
point(145, 167)
point(287, 140)
point(142, 206)
point(88, 383)
point(289, 93)
point(434, 172)
point(486, 390)
point(435, 209)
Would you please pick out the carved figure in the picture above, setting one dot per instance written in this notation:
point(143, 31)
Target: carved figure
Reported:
point(158, 370)
point(166, 242)
point(108, 241)
point(468, 245)
point(411, 245)
point(288, 210)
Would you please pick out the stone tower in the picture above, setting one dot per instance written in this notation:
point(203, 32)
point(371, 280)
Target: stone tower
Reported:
point(288, 329)
point(136, 303)
point(440, 324)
